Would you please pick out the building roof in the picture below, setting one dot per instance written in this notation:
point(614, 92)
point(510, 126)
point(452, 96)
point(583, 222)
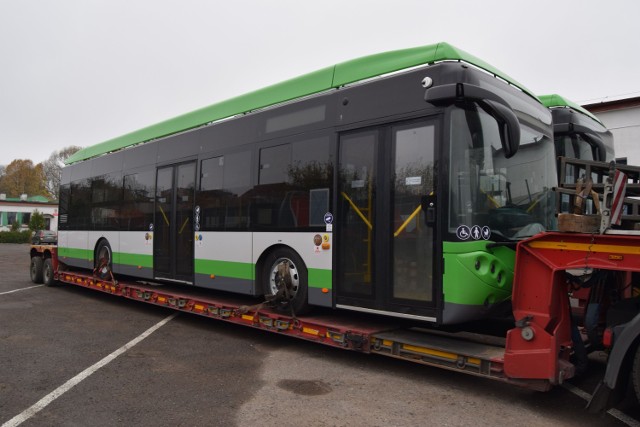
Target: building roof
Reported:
point(615, 104)
point(322, 80)
point(29, 200)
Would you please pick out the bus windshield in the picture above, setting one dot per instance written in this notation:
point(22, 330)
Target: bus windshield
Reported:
point(507, 199)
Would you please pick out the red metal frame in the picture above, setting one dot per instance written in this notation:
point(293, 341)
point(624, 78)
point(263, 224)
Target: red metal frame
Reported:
point(540, 298)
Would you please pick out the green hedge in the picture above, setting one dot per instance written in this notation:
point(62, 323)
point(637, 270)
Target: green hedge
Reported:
point(15, 236)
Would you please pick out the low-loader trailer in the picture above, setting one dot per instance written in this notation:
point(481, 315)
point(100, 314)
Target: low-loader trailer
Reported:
point(552, 304)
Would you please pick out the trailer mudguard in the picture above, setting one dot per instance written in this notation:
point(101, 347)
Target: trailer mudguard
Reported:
point(608, 392)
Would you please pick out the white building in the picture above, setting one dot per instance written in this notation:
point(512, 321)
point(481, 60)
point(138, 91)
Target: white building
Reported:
point(622, 118)
point(20, 209)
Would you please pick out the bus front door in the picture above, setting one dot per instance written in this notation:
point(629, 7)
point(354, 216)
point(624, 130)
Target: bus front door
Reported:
point(385, 253)
point(174, 233)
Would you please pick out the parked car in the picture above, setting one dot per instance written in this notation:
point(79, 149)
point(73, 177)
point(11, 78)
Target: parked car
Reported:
point(44, 237)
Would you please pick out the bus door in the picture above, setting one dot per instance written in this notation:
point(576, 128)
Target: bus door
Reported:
point(385, 253)
point(173, 226)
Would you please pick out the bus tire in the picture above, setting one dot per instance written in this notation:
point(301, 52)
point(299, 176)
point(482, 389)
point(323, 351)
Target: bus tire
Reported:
point(36, 269)
point(48, 273)
point(635, 373)
point(298, 301)
point(104, 260)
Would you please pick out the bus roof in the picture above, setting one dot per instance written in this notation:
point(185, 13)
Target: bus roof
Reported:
point(554, 100)
point(318, 81)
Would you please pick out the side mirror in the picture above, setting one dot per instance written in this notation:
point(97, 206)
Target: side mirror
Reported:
point(490, 102)
point(428, 205)
point(592, 138)
point(589, 135)
point(508, 125)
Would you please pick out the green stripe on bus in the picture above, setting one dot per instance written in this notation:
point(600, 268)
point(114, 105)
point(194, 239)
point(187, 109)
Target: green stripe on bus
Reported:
point(319, 278)
point(118, 257)
point(237, 270)
point(75, 253)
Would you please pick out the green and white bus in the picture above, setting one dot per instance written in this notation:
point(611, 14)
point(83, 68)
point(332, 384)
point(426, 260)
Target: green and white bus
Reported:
point(395, 184)
point(577, 132)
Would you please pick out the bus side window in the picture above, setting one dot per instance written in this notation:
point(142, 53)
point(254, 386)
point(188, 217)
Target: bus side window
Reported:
point(311, 173)
point(80, 205)
point(273, 185)
point(63, 207)
point(288, 175)
point(137, 206)
point(106, 199)
point(225, 182)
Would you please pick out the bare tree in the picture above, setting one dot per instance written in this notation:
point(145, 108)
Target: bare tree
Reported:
point(53, 167)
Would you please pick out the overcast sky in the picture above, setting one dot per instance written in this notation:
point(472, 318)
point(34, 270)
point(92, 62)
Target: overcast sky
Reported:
point(79, 72)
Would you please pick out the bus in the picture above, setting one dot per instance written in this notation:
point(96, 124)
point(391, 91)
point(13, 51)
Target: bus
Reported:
point(578, 133)
point(395, 184)
point(581, 136)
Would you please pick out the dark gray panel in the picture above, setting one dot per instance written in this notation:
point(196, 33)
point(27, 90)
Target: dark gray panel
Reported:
point(174, 148)
point(107, 163)
point(65, 175)
point(141, 155)
point(317, 297)
point(81, 170)
point(130, 270)
point(231, 133)
point(384, 97)
point(77, 262)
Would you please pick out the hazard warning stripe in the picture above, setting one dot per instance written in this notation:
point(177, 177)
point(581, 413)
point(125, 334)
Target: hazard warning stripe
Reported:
point(586, 247)
point(619, 188)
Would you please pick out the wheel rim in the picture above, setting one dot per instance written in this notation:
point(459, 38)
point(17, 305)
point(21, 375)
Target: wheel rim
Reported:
point(33, 270)
point(104, 260)
point(293, 272)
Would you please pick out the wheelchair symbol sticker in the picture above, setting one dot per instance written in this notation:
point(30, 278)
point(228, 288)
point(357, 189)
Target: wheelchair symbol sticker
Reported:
point(463, 232)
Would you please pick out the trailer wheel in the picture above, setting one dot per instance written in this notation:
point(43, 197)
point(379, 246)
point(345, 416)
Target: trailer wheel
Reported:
point(36, 269)
point(104, 260)
point(635, 373)
point(295, 298)
point(47, 273)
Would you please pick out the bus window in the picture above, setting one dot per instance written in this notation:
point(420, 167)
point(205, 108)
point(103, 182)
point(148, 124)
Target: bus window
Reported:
point(311, 173)
point(106, 197)
point(80, 205)
point(510, 198)
point(137, 207)
point(288, 175)
point(63, 206)
point(223, 197)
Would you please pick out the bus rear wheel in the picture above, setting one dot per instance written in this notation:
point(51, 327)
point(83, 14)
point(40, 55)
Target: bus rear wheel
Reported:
point(35, 269)
point(104, 260)
point(285, 278)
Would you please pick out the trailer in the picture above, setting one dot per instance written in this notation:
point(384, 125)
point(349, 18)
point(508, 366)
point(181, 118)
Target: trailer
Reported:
point(538, 352)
